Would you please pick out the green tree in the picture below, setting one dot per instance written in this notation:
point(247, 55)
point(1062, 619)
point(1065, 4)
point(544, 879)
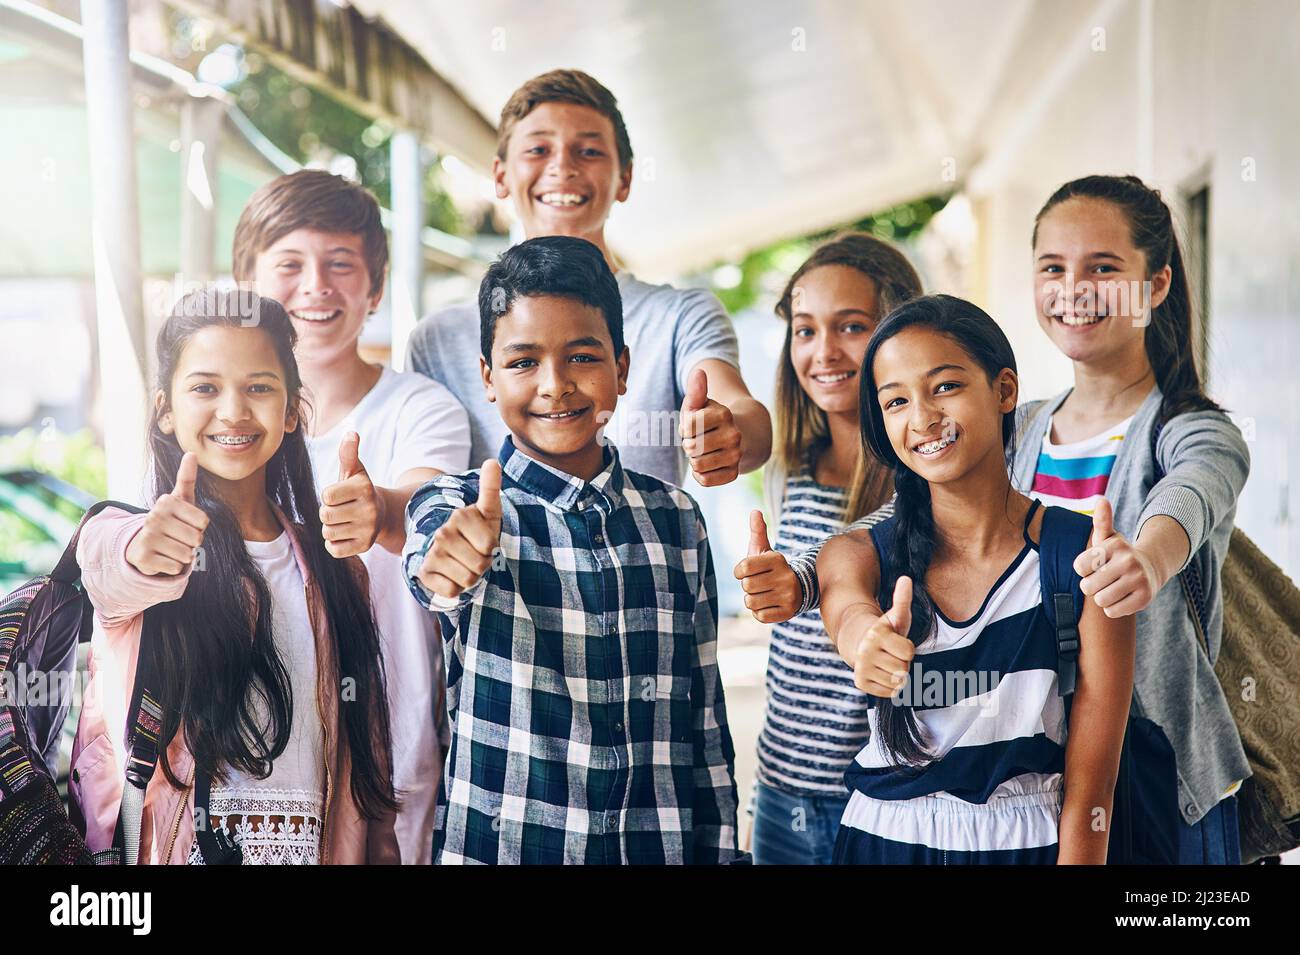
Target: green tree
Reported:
point(308, 125)
point(778, 260)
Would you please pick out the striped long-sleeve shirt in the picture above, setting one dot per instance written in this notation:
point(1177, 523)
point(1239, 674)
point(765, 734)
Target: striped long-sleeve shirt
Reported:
point(816, 720)
point(587, 714)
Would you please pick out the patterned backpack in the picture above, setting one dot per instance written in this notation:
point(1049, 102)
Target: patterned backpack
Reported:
point(41, 625)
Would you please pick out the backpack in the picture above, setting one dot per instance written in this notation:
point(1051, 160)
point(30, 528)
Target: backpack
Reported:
point(41, 625)
point(1259, 669)
point(1144, 815)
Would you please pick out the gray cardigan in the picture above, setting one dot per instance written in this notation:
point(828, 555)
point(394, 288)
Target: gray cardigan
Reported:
point(1206, 463)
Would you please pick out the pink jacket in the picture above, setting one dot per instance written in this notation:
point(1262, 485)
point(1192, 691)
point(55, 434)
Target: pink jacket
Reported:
point(120, 595)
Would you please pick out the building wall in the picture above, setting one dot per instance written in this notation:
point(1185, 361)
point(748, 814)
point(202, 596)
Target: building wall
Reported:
point(1221, 115)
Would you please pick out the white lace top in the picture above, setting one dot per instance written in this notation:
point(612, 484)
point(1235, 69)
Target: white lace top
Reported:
point(277, 820)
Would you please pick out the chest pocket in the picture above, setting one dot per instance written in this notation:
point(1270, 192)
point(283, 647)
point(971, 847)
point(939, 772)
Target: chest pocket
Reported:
point(660, 652)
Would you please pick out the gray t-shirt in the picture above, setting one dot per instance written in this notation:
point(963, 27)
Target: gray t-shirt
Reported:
point(668, 331)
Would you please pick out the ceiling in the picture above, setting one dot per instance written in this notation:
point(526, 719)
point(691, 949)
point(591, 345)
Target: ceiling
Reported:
point(755, 121)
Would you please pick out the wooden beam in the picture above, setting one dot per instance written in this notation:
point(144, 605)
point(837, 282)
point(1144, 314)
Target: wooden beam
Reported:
point(363, 63)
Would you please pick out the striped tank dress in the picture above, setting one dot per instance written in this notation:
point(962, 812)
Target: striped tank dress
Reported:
point(984, 691)
point(816, 719)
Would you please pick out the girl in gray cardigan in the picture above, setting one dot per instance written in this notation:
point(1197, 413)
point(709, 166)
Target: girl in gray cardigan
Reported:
point(1111, 294)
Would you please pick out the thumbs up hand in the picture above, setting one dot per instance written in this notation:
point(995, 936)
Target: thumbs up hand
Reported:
point(772, 592)
point(352, 511)
point(884, 652)
point(709, 434)
point(172, 532)
point(757, 534)
point(462, 548)
point(1118, 575)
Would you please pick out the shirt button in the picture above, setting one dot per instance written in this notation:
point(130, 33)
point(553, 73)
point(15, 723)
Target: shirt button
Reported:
point(612, 820)
point(618, 726)
point(599, 538)
point(1189, 810)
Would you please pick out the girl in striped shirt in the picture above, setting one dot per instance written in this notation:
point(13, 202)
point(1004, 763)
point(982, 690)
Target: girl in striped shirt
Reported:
point(970, 761)
point(816, 720)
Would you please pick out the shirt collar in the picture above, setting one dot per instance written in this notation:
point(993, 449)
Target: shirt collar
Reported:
point(563, 491)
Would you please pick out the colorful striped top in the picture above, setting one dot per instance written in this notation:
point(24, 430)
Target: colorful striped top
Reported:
point(1075, 475)
point(816, 719)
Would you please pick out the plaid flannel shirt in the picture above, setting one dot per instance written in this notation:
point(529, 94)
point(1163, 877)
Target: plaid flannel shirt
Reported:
point(587, 713)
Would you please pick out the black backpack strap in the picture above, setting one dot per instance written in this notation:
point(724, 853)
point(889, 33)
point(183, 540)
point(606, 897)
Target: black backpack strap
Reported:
point(882, 535)
point(1064, 536)
point(216, 845)
point(142, 750)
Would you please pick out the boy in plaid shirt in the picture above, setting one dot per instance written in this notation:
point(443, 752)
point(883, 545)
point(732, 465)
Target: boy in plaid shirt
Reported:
point(577, 600)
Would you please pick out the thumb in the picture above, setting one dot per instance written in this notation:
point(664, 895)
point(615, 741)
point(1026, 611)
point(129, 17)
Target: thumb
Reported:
point(349, 456)
point(900, 612)
point(186, 475)
point(697, 391)
point(1103, 522)
point(757, 534)
point(489, 490)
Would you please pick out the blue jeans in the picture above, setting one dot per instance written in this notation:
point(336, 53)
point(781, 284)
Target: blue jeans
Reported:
point(1215, 840)
point(795, 830)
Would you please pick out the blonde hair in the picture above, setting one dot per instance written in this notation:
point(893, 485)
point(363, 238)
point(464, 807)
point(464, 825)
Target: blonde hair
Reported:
point(802, 431)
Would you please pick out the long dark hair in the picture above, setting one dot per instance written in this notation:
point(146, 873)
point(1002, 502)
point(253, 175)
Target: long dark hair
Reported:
point(915, 537)
point(801, 426)
point(1168, 336)
point(216, 660)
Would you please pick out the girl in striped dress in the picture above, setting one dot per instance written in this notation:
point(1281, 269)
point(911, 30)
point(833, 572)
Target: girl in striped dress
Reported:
point(815, 720)
point(970, 761)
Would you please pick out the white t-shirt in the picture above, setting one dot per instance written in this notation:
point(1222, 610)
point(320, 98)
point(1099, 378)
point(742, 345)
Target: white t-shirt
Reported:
point(405, 421)
point(291, 799)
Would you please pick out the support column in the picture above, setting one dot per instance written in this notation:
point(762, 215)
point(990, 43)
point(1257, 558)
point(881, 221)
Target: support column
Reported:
point(201, 118)
point(115, 228)
point(408, 168)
